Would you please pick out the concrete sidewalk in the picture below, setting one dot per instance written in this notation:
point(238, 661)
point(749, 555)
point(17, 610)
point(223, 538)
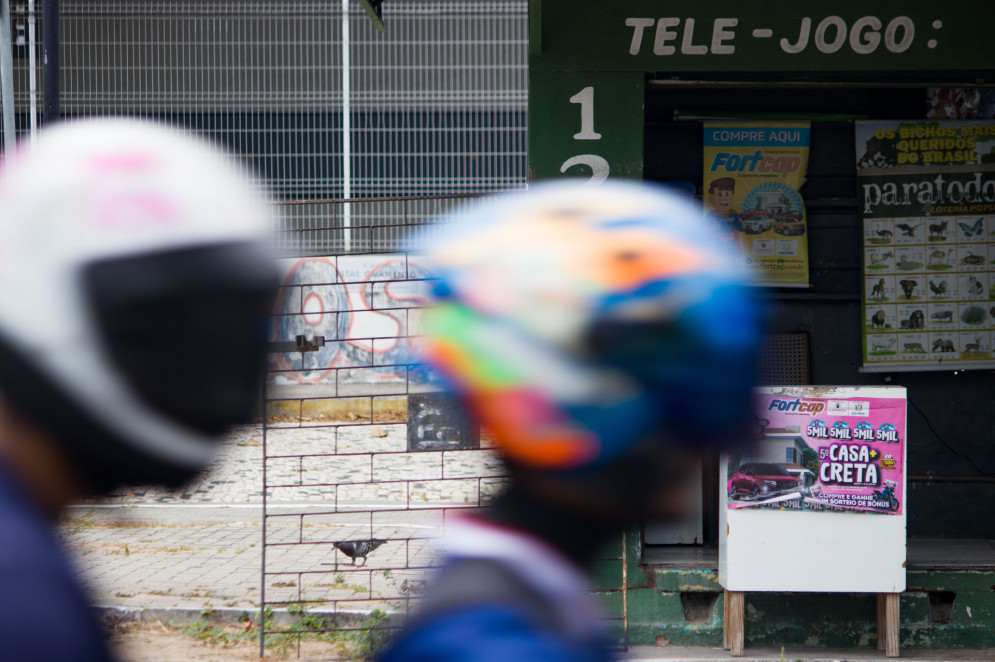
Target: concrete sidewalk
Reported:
point(148, 550)
point(172, 564)
point(174, 556)
point(156, 559)
point(158, 554)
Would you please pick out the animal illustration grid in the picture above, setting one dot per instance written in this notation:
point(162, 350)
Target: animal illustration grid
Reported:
point(929, 284)
point(360, 475)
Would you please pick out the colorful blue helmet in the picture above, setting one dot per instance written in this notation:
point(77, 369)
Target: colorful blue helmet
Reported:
point(577, 322)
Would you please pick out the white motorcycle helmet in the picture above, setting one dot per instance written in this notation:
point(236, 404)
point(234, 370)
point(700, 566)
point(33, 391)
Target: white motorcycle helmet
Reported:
point(135, 287)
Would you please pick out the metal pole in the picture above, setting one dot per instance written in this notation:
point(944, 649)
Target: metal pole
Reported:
point(346, 130)
point(51, 85)
point(32, 73)
point(625, 593)
point(262, 549)
point(7, 79)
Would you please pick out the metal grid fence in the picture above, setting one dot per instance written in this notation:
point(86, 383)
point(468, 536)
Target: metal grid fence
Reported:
point(362, 226)
point(306, 92)
point(321, 107)
point(358, 447)
point(413, 123)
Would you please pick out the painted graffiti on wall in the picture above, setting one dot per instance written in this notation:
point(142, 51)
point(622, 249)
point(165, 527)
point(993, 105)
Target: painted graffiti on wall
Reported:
point(366, 307)
point(313, 302)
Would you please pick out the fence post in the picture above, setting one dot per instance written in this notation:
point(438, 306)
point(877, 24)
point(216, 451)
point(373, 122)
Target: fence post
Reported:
point(50, 61)
point(7, 79)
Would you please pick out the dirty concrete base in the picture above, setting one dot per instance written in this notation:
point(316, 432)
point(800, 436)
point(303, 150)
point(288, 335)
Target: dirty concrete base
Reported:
point(802, 654)
point(946, 610)
point(671, 607)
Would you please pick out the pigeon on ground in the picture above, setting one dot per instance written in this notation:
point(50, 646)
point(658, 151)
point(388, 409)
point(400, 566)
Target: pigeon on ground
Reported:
point(358, 549)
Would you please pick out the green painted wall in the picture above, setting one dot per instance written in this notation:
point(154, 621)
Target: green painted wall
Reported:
point(685, 608)
point(586, 125)
point(765, 36)
point(588, 65)
point(589, 60)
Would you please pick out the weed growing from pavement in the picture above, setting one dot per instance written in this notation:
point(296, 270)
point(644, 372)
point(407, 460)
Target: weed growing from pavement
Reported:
point(382, 414)
point(371, 638)
point(782, 656)
point(131, 524)
point(361, 643)
point(72, 526)
point(216, 634)
point(76, 524)
point(340, 582)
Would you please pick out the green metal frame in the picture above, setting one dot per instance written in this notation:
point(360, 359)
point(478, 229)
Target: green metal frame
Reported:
point(372, 8)
point(615, 47)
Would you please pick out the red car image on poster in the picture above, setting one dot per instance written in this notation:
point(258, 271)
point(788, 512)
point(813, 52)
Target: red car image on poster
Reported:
point(761, 479)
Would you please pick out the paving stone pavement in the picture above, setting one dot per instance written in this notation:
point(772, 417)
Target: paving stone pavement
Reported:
point(158, 555)
point(151, 552)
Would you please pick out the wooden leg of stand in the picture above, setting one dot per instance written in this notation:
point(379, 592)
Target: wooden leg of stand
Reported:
point(725, 620)
point(734, 622)
point(891, 624)
point(880, 610)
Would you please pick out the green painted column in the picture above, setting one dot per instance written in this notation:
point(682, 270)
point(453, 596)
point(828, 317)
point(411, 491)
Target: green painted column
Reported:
point(844, 40)
point(587, 125)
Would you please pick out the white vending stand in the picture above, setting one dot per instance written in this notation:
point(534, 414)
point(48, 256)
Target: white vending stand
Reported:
point(826, 478)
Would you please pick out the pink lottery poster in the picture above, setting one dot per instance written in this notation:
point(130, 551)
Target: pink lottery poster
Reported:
point(823, 454)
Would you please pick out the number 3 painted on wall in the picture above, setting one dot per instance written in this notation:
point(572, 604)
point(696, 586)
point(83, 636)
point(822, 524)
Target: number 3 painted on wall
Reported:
point(598, 165)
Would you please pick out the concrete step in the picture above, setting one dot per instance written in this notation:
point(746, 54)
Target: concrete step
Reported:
point(797, 654)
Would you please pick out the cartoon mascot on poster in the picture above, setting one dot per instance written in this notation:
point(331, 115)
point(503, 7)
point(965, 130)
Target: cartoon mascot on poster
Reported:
point(722, 214)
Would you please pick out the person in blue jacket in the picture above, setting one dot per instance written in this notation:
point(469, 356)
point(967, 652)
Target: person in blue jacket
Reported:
point(135, 288)
point(604, 340)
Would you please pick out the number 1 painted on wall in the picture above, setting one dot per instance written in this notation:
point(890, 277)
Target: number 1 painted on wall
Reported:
point(586, 100)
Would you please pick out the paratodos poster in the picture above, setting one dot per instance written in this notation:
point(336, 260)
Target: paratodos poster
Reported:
point(926, 195)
